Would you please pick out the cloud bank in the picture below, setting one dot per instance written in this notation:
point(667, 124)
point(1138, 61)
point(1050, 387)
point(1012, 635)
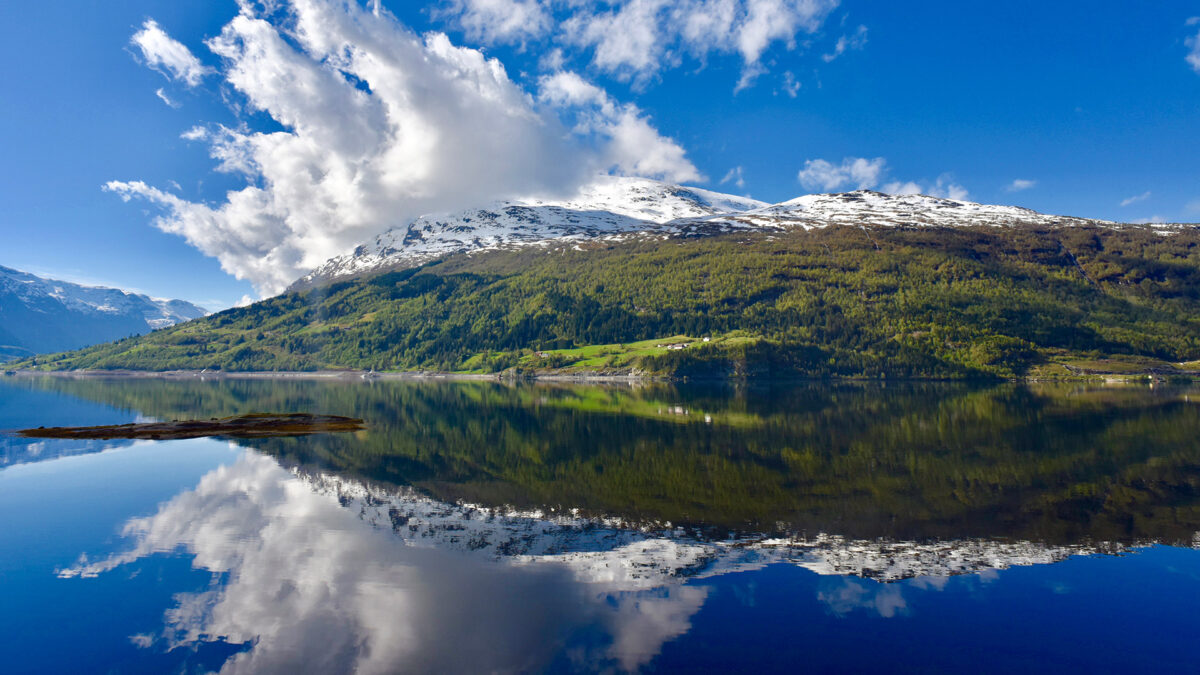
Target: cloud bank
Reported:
point(377, 125)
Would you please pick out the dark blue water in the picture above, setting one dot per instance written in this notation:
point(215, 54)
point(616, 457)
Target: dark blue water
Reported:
point(478, 528)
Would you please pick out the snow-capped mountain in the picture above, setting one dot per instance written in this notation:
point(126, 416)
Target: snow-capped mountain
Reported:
point(45, 315)
point(609, 208)
point(869, 208)
point(616, 208)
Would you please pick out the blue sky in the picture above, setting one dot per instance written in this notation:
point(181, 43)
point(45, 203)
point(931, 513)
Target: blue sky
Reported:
point(1087, 109)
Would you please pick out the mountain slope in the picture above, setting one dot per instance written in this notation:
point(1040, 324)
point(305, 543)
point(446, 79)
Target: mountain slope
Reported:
point(904, 297)
point(44, 315)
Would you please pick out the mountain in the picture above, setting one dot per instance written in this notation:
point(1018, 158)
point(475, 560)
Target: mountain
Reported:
point(46, 315)
point(609, 209)
point(630, 276)
point(618, 208)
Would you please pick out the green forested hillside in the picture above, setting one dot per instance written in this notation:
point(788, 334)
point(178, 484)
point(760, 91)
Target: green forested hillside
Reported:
point(839, 301)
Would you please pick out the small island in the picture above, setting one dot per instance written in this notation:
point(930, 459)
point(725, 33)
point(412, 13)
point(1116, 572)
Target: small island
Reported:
point(257, 425)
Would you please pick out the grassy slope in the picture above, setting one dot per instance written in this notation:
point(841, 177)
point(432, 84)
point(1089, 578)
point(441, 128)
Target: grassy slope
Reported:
point(922, 302)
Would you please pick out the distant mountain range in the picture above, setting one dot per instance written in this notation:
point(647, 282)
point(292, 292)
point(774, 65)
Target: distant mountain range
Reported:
point(630, 275)
point(46, 315)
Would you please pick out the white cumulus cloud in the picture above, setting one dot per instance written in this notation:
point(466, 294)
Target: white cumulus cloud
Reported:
point(860, 173)
point(167, 54)
point(1020, 184)
point(381, 125)
point(626, 40)
point(636, 39)
point(634, 146)
point(501, 21)
point(944, 187)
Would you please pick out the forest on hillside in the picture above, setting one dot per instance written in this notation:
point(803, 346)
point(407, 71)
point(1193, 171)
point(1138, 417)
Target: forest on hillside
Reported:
point(838, 301)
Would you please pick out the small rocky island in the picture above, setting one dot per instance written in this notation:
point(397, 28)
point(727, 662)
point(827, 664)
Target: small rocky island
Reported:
point(257, 425)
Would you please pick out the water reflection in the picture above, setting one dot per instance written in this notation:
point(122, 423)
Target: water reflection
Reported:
point(481, 526)
point(848, 595)
point(24, 407)
point(319, 572)
point(300, 573)
point(1063, 464)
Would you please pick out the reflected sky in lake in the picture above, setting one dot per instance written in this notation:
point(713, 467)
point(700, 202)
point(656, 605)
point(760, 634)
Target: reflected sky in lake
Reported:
point(387, 552)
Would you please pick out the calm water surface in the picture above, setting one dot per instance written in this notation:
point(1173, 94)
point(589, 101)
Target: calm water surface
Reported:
point(488, 528)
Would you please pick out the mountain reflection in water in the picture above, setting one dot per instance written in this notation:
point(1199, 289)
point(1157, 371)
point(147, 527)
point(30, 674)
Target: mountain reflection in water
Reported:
point(525, 528)
point(324, 574)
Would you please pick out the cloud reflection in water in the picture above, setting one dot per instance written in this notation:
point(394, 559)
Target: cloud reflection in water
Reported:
point(314, 587)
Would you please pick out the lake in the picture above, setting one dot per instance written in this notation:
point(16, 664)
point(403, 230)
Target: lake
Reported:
point(484, 527)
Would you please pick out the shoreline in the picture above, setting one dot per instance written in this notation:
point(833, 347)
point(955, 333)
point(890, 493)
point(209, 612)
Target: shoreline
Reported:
point(559, 377)
point(329, 375)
